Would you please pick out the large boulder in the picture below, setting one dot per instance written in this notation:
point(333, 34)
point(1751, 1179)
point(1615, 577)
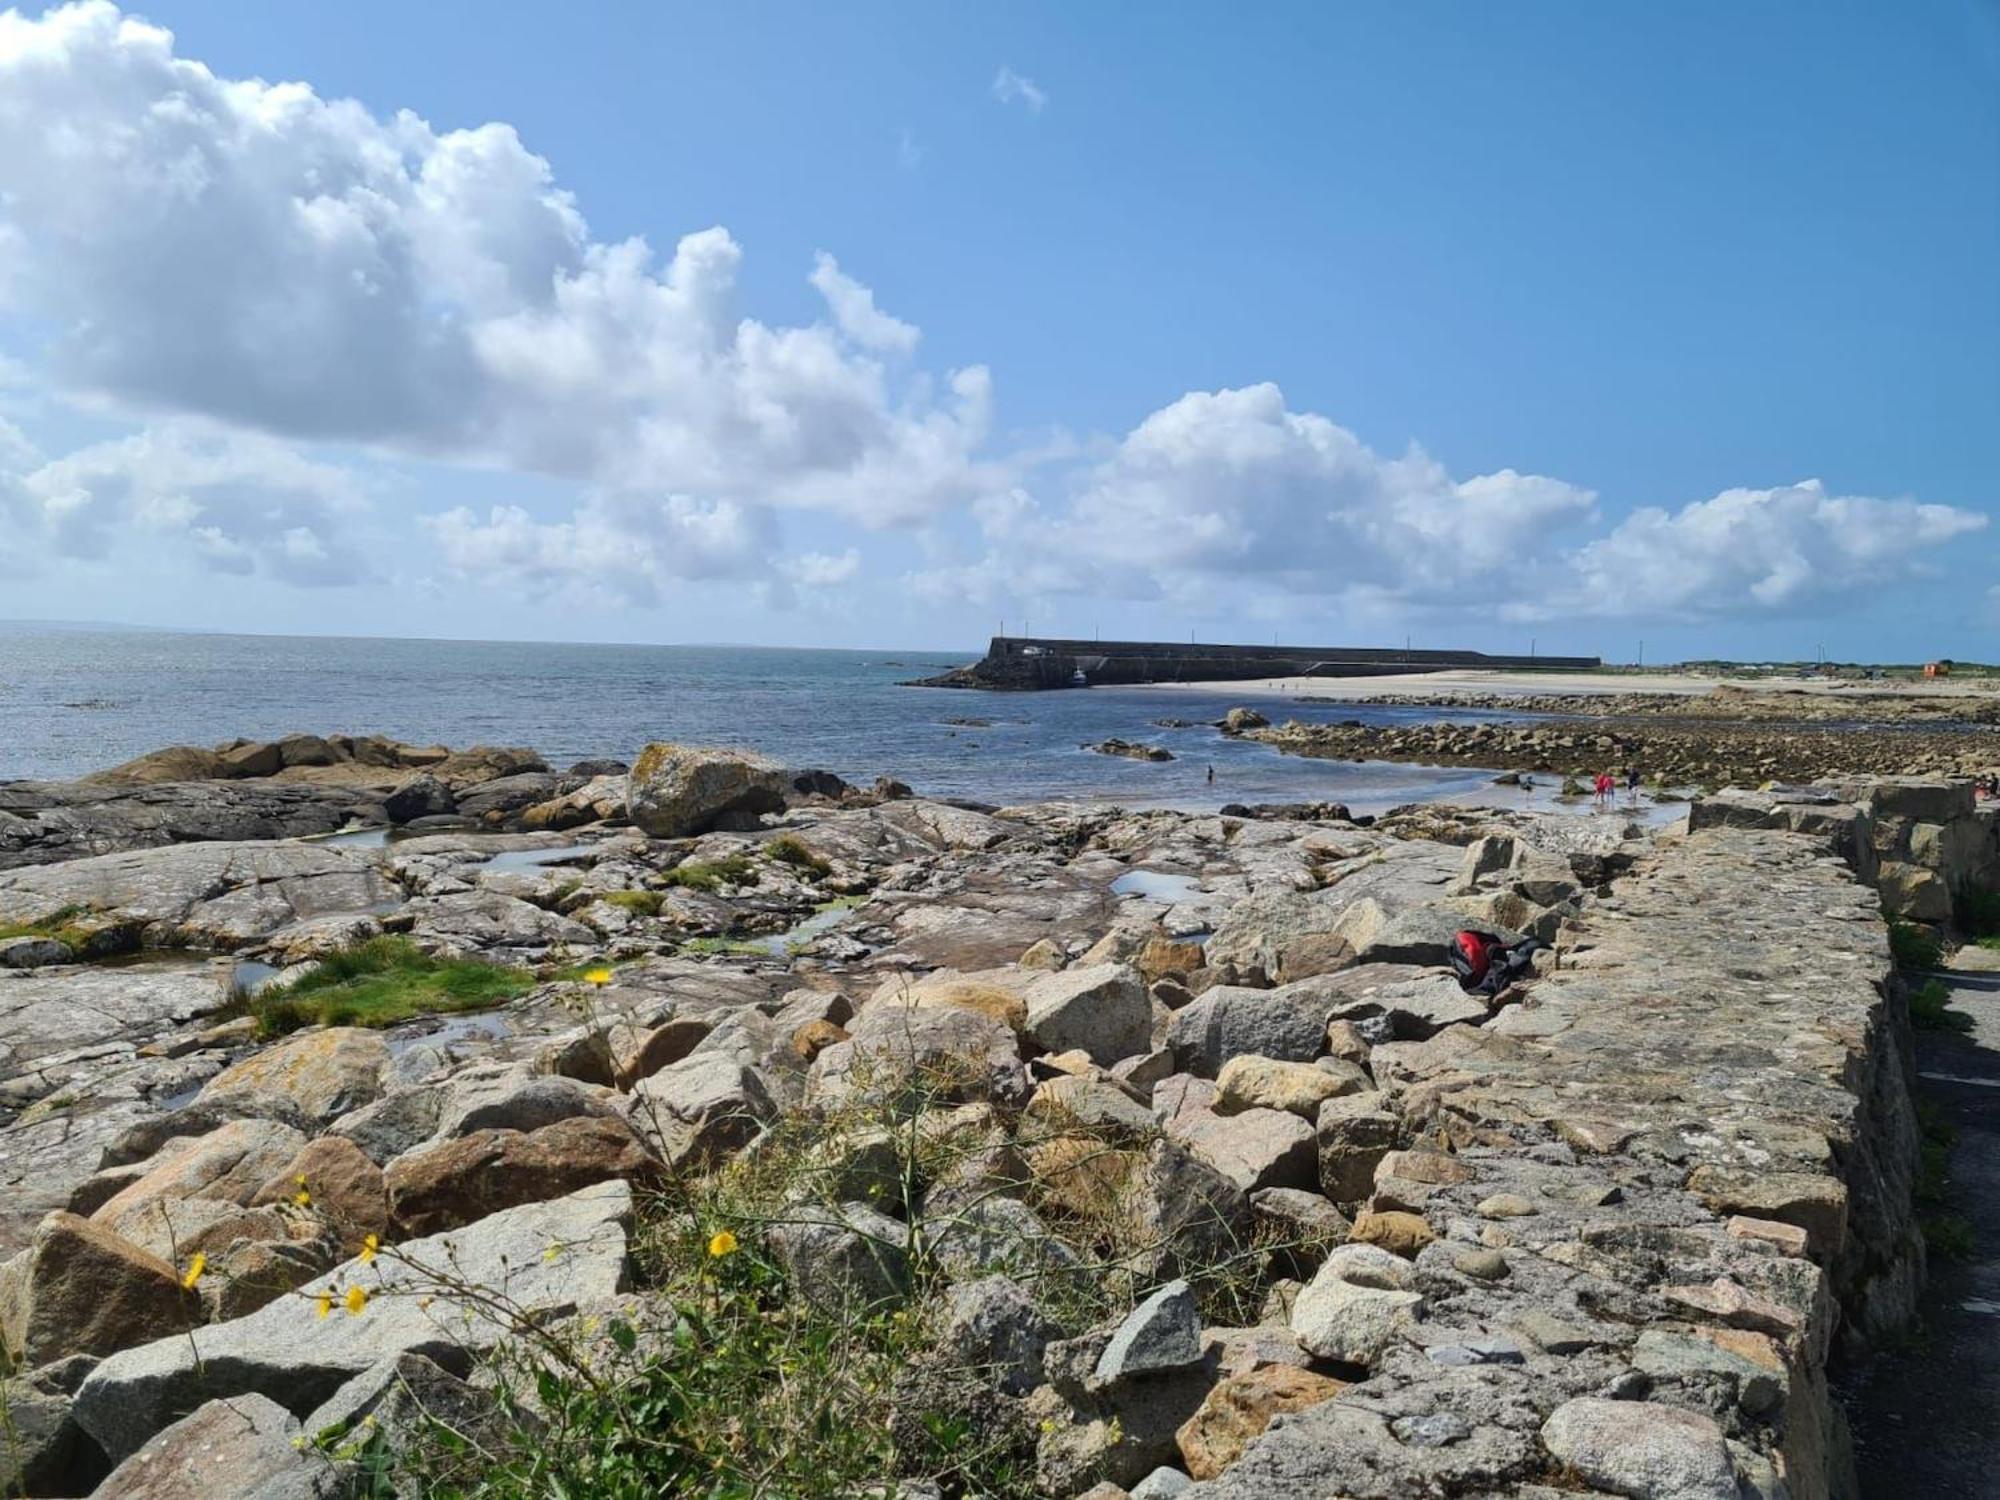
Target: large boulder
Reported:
point(80, 1289)
point(40, 1439)
point(230, 1164)
point(325, 1073)
point(344, 1187)
point(1360, 1303)
point(248, 1447)
point(1288, 1024)
point(845, 1259)
point(703, 1108)
point(946, 1053)
point(422, 796)
point(1101, 1009)
point(544, 1259)
point(677, 791)
point(1640, 1448)
point(1249, 1082)
point(1240, 1407)
point(1253, 1148)
point(462, 1180)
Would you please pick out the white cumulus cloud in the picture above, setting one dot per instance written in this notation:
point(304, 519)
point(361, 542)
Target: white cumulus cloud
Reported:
point(238, 502)
point(295, 265)
point(855, 313)
point(825, 569)
point(1746, 552)
point(1010, 87)
point(256, 272)
point(634, 548)
point(1227, 500)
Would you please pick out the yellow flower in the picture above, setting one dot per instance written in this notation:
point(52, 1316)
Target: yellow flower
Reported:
point(303, 1197)
point(723, 1243)
point(323, 1303)
point(369, 1248)
point(194, 1270)
point(356, 1299)
point(597, 976)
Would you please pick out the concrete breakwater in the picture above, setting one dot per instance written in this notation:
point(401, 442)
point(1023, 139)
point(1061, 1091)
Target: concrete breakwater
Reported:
point(1029, 663)
point(1599, 1235)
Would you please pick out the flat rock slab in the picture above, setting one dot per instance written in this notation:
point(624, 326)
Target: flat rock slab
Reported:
point(49, 1012)
point(55, 821)
point(544, 1258)
point(218, 895)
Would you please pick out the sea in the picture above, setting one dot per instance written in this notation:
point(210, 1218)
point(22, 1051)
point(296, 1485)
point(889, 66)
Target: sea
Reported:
point(75, 700)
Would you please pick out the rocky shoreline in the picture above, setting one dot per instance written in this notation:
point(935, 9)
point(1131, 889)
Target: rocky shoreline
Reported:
point(1249, 1197)
point(1712, 753)
point(308, 785)
point(1726, 701)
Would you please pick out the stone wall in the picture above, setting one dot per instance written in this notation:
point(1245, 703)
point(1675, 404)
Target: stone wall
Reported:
point(1922, 844)
point(1685, 1159)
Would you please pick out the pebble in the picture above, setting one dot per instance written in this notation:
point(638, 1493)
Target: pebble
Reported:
point(1486, 1265)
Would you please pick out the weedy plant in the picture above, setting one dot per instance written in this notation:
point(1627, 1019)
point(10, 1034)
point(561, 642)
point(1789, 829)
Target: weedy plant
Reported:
point(711, 874)
point(1930, 1008)
point(749, 1364)
point(1914, 946)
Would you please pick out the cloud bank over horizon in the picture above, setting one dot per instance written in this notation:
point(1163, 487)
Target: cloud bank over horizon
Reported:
point(269, 297)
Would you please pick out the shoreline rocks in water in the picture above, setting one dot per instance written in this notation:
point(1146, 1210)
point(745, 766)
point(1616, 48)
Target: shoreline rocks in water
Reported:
point(1725, 701)
point(308, 786)
point(1130, 750)
point(1233, 1190)
point(1714, 753)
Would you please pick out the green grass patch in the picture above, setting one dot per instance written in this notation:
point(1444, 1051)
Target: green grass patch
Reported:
point(382, 982)
point(1929, 1187)
point(712, 874)
point(1930, 1009)
point(49, 927)
point(640, 903)
point(1914, 946)
point(720, 945)
point(1948, 1236)
point(788, 849)
point(73, 928)
point(1979, 912)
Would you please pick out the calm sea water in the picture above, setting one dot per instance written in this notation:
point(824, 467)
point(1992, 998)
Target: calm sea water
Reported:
point(73, 701)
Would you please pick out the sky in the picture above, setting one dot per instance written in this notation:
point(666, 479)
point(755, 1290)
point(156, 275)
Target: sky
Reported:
point(1670, 330)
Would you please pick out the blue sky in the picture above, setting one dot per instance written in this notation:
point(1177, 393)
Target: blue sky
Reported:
point(1627, 279)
